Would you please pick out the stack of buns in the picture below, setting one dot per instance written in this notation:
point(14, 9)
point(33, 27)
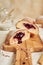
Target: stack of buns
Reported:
point(24, 41)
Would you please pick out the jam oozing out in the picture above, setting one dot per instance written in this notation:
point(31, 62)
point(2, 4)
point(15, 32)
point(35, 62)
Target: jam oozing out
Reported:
point(19, 36)
point(28, 26)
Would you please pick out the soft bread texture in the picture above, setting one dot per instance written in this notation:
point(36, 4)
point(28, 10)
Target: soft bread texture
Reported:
point(40, 61)
point(26, 36)
point(20, 25)
point(10, 44)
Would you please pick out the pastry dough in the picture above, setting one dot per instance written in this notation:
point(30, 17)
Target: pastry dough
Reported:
point(32, 28)
point(24, 41)
point(34, 42)
point(11, 42)
point(17, 60)
point(18, 41)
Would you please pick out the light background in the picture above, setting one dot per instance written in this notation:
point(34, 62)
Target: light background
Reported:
point(24, 8)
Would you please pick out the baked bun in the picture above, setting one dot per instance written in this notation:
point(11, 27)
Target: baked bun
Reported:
point(15, 38)
point(32, 28)
point(19, 36)
point(18, 43)
point(6, 45)
point(34, 42)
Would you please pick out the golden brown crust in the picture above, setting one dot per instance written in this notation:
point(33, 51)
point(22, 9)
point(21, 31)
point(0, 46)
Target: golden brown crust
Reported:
point(29, 56)
point(9, 35)
point(9, 48)
point(26, 57)
point(35, 44)
point(17, 60)
point(13, 43)
point(22, 56)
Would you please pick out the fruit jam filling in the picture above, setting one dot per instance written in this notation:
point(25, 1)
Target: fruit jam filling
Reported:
point(19, 36)
point(28, 26)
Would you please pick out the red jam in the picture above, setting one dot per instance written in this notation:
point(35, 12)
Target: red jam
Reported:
point(19, 37)
point(28, 26)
